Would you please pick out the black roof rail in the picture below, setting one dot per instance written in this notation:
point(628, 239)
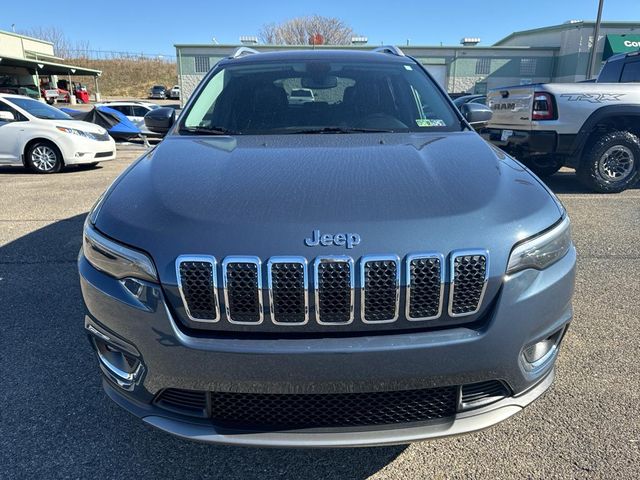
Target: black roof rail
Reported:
point(242, 51)
point(390, 49)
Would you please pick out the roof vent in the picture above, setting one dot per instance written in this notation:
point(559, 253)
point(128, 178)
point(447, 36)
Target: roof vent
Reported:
point(470, 41)
point(249, 40)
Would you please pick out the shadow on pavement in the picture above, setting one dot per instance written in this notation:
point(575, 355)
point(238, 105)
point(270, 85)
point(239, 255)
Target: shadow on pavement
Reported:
point(567, 182)
point(58, 423)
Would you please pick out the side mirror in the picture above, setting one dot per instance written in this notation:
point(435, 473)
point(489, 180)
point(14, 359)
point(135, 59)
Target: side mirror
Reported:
point(7, 117)
point(477, 115)
point(160, 120)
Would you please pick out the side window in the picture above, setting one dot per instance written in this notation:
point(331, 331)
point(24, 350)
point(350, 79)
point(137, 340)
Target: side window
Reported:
point(6, 108)
point(631, 72)
point(139, 111)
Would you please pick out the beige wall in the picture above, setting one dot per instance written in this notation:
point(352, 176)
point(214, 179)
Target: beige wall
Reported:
point(12, 45)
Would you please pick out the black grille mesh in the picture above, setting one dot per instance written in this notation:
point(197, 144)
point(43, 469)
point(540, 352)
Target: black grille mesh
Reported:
point(425, 275)
point(469, 276)
point(242, 291)
point(186, 402)
point(197, 287)
point(380, 290)
point(475, 395)
point(334, 292)
point(288, 292)
point(277, 411)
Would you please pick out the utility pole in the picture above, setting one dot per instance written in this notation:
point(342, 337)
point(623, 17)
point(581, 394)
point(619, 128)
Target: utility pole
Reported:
point(593, 59)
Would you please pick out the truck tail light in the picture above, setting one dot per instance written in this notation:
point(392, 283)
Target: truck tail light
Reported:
point(542, 106)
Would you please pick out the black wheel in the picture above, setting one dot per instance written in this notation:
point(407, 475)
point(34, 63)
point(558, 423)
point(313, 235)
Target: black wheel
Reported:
point(543, 166)
point(610, 163)
point(44, 157)
point(51, 101)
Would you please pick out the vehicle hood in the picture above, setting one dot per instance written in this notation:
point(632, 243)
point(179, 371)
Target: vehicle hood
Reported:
point(263, 195)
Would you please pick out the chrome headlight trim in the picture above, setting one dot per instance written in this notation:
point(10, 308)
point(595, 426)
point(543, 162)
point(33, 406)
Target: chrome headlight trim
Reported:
point(115, 259)
point(542, 250)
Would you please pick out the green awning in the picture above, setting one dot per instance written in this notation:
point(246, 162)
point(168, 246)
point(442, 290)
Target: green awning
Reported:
point(620, 44)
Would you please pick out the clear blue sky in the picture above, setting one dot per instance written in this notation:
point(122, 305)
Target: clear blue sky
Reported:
point(154, 26)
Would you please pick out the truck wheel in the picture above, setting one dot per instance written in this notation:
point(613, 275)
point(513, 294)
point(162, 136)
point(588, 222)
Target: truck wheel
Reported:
point(44, 157)
point(610, 164)
point(543, 166)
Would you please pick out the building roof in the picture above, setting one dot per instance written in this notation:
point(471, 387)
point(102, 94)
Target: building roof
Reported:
point(367, 47)
point(13, 34)
point(568, 26)
point(49, 68)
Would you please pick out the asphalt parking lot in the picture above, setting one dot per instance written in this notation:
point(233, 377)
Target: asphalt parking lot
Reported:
point(57, 423)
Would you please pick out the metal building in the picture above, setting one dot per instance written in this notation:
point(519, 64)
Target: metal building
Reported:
point(556, 53)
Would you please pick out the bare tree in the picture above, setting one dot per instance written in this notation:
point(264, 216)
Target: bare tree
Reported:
point(62, 46)
point(306, 30)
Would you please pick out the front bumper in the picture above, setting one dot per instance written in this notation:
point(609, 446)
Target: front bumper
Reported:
point(82, 150)
point(531, 306)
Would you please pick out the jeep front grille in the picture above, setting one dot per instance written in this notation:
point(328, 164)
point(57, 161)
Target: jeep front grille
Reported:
point(288, 291)
point(334, 290)
point(197, 282)
point(242, 280)
point(425, 286)
point(380, 288)
point(380, 296)
point(469, 274)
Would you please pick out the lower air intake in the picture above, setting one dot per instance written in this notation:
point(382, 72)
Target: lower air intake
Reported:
point(290, 411)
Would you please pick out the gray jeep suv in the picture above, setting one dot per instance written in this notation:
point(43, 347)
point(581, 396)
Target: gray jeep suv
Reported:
point(358, 269)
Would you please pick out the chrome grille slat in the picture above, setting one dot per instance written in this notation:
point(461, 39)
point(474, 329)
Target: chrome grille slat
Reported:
point(425, 286)
point(288, 290)
point(334, 290)
point(469, 276)
point(198, 285)
point(380, 288)
point(242, 281)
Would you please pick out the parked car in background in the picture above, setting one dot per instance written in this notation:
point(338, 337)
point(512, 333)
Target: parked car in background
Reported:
point(362, 270)
point(621, 68)
point(158, 92)
point(459, 101)
point(174, 93)
point(301, 95)
point(591, 127)
point(134, 111)
point(45, 139)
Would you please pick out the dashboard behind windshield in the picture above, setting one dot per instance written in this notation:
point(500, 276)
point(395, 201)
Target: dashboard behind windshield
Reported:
point(266, 98)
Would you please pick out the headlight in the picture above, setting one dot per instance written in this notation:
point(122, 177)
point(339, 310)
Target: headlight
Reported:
point(75, 131)
point(542, 250)
point(116, 259)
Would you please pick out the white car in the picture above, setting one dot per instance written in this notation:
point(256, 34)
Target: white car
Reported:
point(174, 92)
point(45, 139)
point(134, 111)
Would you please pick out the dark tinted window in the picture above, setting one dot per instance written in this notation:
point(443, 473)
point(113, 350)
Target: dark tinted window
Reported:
point(610, 72)
point(631, 72)
point(256, 98)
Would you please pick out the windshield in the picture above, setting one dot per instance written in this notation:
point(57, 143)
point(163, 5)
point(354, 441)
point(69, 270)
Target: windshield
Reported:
point(39, 109)
point(319, 96)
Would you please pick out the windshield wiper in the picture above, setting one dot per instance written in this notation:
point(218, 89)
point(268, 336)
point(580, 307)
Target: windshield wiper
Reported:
point(342, 130)
point(208, 131)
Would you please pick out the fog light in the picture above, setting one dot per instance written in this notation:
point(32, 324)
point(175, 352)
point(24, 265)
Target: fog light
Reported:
point(538, 354)
point(121, 367)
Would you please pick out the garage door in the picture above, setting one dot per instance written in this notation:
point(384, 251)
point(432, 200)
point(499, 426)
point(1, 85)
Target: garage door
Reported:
point(439, 73)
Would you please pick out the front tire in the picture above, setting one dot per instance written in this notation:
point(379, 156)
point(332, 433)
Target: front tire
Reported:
point(44, 157)
point(610, 164)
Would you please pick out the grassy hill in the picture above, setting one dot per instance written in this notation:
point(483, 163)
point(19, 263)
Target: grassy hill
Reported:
point(127, 77)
